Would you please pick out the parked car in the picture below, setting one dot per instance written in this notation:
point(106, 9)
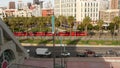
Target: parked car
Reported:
point(110, 52)
point(98, 55)
point(89, 53)
point(81, 54)
point(65, 54)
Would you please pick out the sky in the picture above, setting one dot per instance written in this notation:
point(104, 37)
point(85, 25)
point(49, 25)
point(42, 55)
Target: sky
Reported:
point(6, 2)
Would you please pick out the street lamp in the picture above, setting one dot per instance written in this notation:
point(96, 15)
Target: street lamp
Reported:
point(53, 33)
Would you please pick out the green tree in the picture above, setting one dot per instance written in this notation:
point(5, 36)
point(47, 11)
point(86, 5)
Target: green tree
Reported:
point(70, 21)
point(57, 23)
point(86, 22)
point(100, 23)
point(61, 19)
point(116, 21)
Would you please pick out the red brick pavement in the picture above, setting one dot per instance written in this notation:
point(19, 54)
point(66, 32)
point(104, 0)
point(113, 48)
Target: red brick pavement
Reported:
point(48, 63)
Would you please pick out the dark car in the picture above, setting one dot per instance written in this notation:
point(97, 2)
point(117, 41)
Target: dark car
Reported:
point(110, 52)
point(81, 55)
point(89, 52)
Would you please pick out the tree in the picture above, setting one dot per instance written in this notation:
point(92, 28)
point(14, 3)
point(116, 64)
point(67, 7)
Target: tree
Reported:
point(100, 23)
point(116, 21)
point(70, 21)
point(61, 19)
point(86, 22)
point(57, 23)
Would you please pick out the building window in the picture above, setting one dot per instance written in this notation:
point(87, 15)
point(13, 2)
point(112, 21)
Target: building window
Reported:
point(85, 10)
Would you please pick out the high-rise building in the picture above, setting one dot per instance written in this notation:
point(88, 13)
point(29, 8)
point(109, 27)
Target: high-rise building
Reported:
point(11, 5)
point(77, 8)
point(29, 5)
point(36, 2)
point(115, 4)
point(65, 7)
point(87, 8)
point(103, 4)
point(20, 5)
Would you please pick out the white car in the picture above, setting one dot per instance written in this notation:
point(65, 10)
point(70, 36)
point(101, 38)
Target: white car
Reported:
point(65, 54)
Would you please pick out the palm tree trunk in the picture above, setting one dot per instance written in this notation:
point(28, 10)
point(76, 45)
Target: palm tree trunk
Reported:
point(114, 30)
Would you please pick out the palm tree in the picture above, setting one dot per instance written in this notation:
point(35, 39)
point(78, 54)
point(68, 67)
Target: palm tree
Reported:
point(57, 23)
point(12, 23)
point(61, 19)
point(70, 21)
point(100, 23)
point(86, 22)
point(116, 21)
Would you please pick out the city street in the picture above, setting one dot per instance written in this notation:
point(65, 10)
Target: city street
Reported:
point(74, 50)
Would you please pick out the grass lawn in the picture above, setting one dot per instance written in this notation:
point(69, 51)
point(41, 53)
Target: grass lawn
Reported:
point(73, 42)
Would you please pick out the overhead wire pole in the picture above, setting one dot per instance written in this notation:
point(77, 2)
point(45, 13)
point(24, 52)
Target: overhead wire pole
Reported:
point(53, 33)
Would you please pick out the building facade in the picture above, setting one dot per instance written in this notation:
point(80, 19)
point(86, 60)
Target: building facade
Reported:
point(108, 15)
point(47, 12)
point(115, 4)
point(36, 2)
point(77, 8)
point(20, 5)
point(103, 4)
point(12, 5)
point(87, 8)
point(65, 7)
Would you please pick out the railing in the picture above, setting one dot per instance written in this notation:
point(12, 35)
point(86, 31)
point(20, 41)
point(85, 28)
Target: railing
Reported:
point(23, 66)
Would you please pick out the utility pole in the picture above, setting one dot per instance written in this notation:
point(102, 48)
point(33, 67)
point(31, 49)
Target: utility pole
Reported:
point(53, 34)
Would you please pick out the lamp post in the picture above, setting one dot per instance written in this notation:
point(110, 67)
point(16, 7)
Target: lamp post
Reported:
point(53, 33)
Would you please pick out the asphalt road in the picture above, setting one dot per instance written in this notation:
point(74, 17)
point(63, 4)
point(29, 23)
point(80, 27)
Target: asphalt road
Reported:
point(74, 50)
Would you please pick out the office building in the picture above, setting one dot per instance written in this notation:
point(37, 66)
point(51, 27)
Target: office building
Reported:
point(108, 15)
point(36, 2)
point(77, 8)
point(115, 4)
point(11, 5)
point(20, 5)
point(29, 5)
point(65, 7)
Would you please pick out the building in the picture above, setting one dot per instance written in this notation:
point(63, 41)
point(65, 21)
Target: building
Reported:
point(103, 4)
point(2, 13)
point(108, 15)
point(115, 4)
point(47, 12)
point(65, 7)
point(11, 51)
point(11, 5)
point(87, 8)
point(77, 8)
point(29, 5)
point(36, 2)
point(36, 10)
point(10, 12)
point(20, 5)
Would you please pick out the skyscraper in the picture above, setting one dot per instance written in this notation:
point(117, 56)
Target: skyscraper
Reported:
point(20, 5)
point(77, 8)
point(36, 2)
point(115, 4)
point(11, 5)
point(29, 5)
